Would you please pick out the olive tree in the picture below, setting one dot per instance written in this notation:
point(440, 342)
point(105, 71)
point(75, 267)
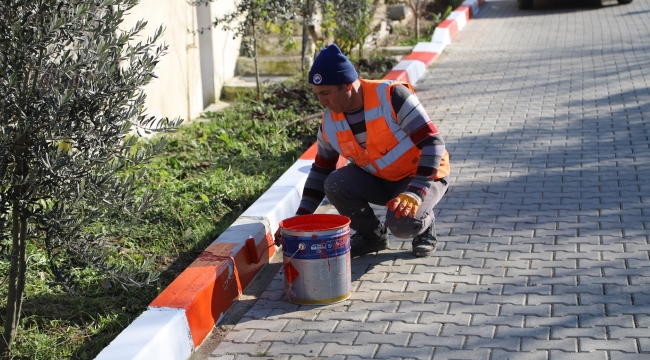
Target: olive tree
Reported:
point(349, 22)
point(71, 109)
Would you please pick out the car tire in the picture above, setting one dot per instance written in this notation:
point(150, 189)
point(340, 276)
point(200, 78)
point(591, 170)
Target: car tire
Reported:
point(623, 2)
point(527, 4)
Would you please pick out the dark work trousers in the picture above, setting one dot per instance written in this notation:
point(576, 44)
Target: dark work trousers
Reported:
point(351, 190)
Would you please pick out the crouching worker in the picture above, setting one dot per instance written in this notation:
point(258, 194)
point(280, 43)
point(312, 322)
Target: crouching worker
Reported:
point(396, 157)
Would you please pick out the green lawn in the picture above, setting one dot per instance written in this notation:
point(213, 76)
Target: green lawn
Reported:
point(209, 172)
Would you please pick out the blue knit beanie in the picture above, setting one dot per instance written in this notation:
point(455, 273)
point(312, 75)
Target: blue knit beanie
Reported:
point(331, 67)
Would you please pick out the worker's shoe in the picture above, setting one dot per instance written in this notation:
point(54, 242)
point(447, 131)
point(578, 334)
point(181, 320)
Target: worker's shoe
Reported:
point(367, 242)
point(424, 244)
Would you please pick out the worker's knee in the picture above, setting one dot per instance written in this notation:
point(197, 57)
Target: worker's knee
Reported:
point(403, 228)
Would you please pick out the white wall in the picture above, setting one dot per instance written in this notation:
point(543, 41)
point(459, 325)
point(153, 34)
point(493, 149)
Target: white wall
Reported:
point(226, 49)
point(180, 90)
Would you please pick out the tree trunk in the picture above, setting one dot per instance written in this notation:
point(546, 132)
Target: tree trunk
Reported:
point(417, 20)
point(18, 267)
point(306, 20)
point(257, 70)
point(303, 48)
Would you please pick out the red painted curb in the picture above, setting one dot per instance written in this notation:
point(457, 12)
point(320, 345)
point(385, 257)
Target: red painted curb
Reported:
point(426, 57)
point(213, 282)
point(206, 290)
point(309, 154)
point(245, 262)
point(397, 75)
point(450, 25)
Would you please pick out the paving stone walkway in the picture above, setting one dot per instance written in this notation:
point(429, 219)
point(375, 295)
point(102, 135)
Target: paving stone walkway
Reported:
point(543, 250)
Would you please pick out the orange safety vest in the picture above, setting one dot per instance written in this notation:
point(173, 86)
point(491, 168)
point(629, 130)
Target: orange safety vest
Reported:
point(389, 154)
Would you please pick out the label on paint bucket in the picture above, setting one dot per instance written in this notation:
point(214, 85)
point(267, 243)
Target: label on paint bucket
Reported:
point(317, 247)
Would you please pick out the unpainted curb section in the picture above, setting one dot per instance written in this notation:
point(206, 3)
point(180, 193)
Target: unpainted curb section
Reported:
point(182, 316)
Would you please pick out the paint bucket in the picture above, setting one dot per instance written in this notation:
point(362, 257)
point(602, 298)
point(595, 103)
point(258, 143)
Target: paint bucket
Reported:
point(316, 252)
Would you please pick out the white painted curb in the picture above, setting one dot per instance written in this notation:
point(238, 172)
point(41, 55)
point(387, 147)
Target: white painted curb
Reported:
point(441, 35)
point(159, 334)
point(414, 68)
point(459, 18)
point(433, 47)
point(282, 199)
point(241, 230)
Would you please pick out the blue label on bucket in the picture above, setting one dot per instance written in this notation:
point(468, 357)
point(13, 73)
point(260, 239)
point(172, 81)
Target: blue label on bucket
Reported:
point(316, 247)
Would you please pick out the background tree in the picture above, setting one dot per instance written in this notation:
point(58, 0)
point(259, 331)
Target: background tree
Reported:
point(71, 93)
point(249, 20)
point(419, 9)
point(306, 13)
point(349, 22)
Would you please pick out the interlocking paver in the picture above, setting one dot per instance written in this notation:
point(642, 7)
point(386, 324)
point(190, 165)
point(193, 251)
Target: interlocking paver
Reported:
point(388, 351)
point(544, 249)
point(362, 307)
point(626, 321)
point(518, 299)
point(615, 309)
point(528, 344)
point(451, 354)
point(533, 289)
point(380, 316)
point(564, 355)
point(332, 349)
point(506, 332)
point(294, 325)
point(487, 309)
point(624, 345)
point(373, 338)
point(400, 327)
point(476, 342)
point(436, 308)
point(326, 316)
point(499, 354)
point(619, 355)
point(352, 326)
point(460, 319)
point(589, 299)
point(238, 336)
point(537, 310)
point(227, 347)
point(589, 332)
point(644, 344)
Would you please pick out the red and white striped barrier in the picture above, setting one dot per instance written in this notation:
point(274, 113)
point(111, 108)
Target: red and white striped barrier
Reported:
point(426, 52)
point(460, 18)
point(409, 71)
point(445, 32)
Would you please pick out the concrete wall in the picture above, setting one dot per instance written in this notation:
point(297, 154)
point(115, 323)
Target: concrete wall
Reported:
point(199, 59)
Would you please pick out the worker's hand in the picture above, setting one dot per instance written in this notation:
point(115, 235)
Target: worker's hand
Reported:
point(404, 205)
point(278, 238)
